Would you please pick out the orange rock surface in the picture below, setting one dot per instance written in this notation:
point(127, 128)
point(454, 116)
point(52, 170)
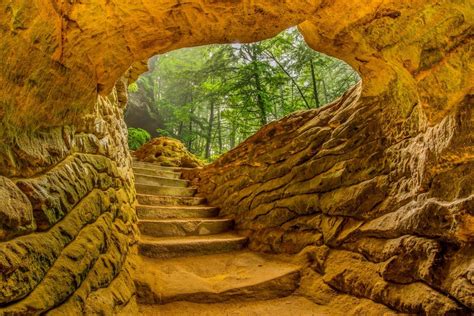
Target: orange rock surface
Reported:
point(169, 152)
point(375, 191)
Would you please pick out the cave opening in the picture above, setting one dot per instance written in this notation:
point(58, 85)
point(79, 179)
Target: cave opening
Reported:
point(371, 197)
point(212, 98)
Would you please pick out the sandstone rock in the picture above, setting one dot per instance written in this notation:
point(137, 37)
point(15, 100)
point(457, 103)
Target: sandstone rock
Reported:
point(381, 177)
point(16, 213)
point(385, 171)
point(294, 305)
point(165, 151)
point(76, 195)
point(215, 278)
point(142, 113)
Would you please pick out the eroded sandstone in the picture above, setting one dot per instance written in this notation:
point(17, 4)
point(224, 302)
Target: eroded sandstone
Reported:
point(168, 152)
point(382, 179)
point(374, 190)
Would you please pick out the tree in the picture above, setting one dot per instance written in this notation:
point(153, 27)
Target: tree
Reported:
point(214, 97)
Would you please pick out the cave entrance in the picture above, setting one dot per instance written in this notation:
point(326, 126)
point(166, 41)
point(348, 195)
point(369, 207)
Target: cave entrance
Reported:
point(213, 97)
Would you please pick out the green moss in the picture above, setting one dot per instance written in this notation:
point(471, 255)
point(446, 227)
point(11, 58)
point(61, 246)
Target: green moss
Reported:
point(137, 137)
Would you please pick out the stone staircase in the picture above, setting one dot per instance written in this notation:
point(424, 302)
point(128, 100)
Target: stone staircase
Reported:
point(175, 223)
point(189, 258)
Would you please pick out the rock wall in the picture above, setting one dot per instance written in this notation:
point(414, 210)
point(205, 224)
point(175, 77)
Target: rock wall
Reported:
point(77, 49)
point(374, 191)
point(67, 223)
point(141, 113)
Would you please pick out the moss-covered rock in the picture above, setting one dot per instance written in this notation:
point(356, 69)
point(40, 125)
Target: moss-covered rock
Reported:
point(376, 188)
point(168, 152)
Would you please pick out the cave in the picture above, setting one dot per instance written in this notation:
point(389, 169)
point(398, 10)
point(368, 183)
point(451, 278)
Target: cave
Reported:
point(373, 194)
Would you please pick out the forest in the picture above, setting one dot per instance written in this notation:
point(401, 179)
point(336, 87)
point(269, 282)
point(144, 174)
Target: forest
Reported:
point(214, 97)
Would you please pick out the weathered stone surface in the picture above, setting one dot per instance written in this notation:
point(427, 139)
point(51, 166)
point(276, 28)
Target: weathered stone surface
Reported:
point(170, 247)
point(168, 212)
point(165, 151)
point(337, 192)
point(69, 208)
point(16, 213)
point(141, 112)
point(161, 190)
point(385, 173)
point(185, 227)
point(235, 276)
point(380, 178)
point(293, 305)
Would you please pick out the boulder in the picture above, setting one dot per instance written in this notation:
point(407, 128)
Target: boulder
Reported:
point(168, 152)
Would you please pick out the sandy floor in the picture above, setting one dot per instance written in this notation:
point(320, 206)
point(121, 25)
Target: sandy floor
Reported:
point(291, 306)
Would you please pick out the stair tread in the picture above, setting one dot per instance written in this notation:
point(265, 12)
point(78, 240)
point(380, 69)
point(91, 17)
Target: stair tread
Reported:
point(191, 239)
point(291, 305)
point(185, 227)
point(178, 207)
point(160, 181)
point(149, 212)
point(168, 200)
point(183, 197)
point(165, 186)
point(185, 220)
point(157, 166)
point(218, 277)
point(158, 177)
point(164, 190)
point(144, 168)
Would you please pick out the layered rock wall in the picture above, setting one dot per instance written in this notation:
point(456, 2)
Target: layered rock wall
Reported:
point(67, 223)
point(374, 191)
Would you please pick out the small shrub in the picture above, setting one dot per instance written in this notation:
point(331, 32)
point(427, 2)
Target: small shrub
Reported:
point(137, 137)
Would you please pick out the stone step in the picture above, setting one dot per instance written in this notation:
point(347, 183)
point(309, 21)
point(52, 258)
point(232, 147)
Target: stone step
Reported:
point(154, 180)
point(156, 200)
point(161, 190)
point(185, 227)
point(291, 305)
point(157, 173)
point(150, 165)
point(168, 247)
point(241, 276)
point(168, 212)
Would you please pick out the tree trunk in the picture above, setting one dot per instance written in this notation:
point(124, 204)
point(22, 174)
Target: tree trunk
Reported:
point(292, 79)
point(260, 100)
point(232, 135)
point(219, 130)
point(209, 132)
point(190, 139)
point(292, 96)
point(325, 91)
point(282, 101)
point(180, 130)
point(315, 84)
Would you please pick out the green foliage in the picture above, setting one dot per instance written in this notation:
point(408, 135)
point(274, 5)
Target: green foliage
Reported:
point(137, 137)
point(214, 97)
point(163, 132)
point(133, 87)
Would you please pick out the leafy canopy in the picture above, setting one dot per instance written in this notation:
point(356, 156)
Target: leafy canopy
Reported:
point(214, 97)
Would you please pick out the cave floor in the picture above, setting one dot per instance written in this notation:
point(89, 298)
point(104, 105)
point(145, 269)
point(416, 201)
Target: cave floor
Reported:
point(191, 263)
point(292, 305)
